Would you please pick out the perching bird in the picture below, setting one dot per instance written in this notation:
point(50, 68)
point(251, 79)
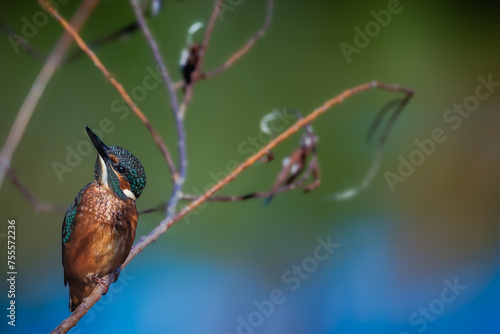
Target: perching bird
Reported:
point(99, 227)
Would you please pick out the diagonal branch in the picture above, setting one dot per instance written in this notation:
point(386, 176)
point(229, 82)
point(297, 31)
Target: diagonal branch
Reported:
point(206, 38)
point(197, 73)
point(157, 55)
point(166, 223)
point(177, 190)
point(156, 136)
point(24, 43)
point(39, 206)
point(377, 158)
point(178, 113)
point(55, 58)
point(311, 170)
point(240, 53)
point(171, 88)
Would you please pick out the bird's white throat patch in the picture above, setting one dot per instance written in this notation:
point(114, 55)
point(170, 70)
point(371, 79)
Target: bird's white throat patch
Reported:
point(104, 179)
point(129, 193)
point(104, 173)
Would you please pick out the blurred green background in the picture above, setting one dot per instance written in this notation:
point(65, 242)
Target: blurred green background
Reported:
point(397, 248)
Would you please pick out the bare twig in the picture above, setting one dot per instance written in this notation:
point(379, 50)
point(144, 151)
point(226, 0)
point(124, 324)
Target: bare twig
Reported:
point(85, 306)
point(157, 55)
point(37, 89)
point(166, 223)
point(237, 198)
point(156, 136)
point(311, 170)
point(206, 38)
point(120, 33)
point(377, 158)
point(178, 113)
point(160, 207)
point(380, 116)
point(23, 43)
point(240, 53)
point(197, 76)
point(197, 73)
point(38, 206)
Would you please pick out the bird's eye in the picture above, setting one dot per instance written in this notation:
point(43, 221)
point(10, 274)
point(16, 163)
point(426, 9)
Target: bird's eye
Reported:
point(120, 169)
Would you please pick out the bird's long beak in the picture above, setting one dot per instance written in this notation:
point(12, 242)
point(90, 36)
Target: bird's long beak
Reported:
point(99, 145)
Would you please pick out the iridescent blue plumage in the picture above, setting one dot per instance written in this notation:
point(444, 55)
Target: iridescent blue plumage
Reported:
point(69, 218)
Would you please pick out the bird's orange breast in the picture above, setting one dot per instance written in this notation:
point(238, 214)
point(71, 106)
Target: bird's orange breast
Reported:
point(102, 236)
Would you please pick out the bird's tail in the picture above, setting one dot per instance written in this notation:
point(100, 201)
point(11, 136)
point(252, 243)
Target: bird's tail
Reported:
point(77, 293)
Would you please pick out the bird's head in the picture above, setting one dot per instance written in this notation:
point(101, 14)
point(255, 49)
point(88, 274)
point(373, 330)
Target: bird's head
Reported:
point(118, 169)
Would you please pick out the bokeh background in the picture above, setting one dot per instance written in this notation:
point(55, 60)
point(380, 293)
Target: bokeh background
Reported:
point(399, 250)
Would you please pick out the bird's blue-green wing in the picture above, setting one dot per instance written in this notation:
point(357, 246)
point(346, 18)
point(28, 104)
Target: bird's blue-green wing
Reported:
point(68, 222)
point(69, 218)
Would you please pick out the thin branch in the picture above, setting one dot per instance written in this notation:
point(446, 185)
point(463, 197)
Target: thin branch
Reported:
point(178, 113)
point(166, 223)
point(23, 43)
point(85, 306)
point(379, 152)
point(120, 33)
point(311, 170)
point(39, 206)
point(237, 55)
point(197, 73)
point(156, 53)
point(156, 136)
point(38, 87)
point(154, 209)
point(248, 46)
point(238, 198)
point(177, 190)
point(380, 116)
point(206, 38)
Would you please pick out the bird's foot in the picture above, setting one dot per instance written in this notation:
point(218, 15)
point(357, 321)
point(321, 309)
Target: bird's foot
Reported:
point(99, 280)
point(117, 273)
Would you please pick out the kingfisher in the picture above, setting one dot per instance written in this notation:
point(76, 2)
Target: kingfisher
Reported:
point(99, 226)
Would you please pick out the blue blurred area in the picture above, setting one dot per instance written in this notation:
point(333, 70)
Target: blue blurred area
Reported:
point(416, 256)
point(358, 289)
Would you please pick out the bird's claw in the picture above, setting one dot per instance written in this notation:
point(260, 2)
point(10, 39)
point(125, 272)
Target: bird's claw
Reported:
point(99, 280)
